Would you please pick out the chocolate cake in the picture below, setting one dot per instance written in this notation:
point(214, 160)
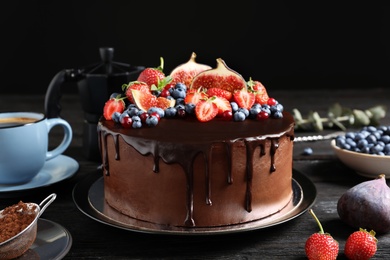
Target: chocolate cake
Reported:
point(189, 174)
point(198, 148)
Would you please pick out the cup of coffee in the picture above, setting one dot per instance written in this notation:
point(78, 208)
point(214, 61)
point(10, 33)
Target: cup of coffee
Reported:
point(24, 144)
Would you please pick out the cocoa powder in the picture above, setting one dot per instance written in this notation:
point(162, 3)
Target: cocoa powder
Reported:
point(15, 219)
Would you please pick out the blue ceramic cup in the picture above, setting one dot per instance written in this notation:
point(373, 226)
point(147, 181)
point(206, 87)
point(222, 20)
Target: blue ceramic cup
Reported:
point(24, 141)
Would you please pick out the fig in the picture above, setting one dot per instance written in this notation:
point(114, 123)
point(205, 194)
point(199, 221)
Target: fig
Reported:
point(221, 77)
point(185, 72)
point(367, 205)
point(146, 100)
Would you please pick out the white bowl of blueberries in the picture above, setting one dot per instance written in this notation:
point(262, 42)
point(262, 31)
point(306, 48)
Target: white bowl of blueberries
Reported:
point(367, 150)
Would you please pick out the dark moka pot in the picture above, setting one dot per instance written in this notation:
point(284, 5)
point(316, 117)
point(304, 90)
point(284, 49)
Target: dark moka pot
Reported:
point(95, 84)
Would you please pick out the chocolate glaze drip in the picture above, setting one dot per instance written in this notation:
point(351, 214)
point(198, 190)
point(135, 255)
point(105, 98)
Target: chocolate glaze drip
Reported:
point(228, 147)
point(177, 141)
point(274, 146)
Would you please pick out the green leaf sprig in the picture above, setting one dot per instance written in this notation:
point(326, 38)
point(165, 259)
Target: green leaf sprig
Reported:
point(339, 117)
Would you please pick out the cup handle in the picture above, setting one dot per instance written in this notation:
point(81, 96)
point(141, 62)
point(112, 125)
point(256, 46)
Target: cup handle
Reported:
point(68, 134)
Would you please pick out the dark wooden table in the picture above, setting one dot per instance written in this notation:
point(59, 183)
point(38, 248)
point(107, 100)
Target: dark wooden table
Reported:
point(95, 240)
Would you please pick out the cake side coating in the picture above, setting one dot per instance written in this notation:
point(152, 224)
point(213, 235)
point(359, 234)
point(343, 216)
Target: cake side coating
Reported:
point(187, 173)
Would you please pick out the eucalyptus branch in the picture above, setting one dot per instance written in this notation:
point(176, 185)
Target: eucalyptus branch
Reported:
point(339, 117)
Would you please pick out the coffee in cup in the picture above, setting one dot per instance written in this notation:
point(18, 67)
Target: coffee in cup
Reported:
point(24, 140)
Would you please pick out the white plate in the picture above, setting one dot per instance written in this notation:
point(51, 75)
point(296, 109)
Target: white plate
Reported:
point(53, 241)
point(55, 170)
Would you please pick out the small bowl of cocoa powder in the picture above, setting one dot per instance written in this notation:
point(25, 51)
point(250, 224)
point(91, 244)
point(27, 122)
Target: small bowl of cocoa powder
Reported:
point(18, 227)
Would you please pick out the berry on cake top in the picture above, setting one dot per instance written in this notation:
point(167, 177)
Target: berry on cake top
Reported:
point(191, 90)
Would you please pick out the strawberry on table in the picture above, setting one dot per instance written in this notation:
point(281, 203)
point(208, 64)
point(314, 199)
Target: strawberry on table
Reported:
point(114, 104)
point(321, 246)
point(361, 245)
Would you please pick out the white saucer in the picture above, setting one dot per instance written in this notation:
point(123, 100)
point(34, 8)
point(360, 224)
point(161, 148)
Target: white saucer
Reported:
point(55, 170)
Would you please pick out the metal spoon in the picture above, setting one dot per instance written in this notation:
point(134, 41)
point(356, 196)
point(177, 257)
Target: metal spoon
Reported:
point(312, 138)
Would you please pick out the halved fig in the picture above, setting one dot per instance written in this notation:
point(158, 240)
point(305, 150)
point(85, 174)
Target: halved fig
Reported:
point(221, 77)
point(146, 100)
point(143, 100)
point(185, 72)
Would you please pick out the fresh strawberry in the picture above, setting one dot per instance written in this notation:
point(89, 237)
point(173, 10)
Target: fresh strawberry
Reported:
point(152, 76)
point(321, 245)
point(195, 96)
point(244, 98)
point(138, 85)
point(261, 95)
point(219, 93)
point(115, 104)
point(222, 103)
point(361, 245)
point(206, 110)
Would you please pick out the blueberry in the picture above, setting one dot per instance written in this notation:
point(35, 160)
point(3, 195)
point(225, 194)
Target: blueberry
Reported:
point(181, 86)
point(234, 106)
point(116, 117)
point(151, 121)
point(254, 111)
point(376, 149)
point(159, 111)
point(371, 129)
point(239, 116)
point(266, 108)
point(307, 151)
point(136, 119)
point(362, 143)
point(277, 114)
point(133, 111)
point(115, 95)
point(170, 112)
point(350, 135)
point(279, 107)
point(137, 123)
point(180, 106)
point(180, 101)
point(244, 111)
point(190, 108)
point(385, 138)
point(386, 149)
point(124, 114)
point(178, 93)
point(156, 92)
point(130, 106)
point(369, 140)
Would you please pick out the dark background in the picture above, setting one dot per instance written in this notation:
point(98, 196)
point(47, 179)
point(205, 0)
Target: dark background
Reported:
point(284, 44)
